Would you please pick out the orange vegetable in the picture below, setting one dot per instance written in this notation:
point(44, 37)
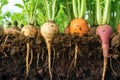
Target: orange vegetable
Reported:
point(118, 28)
point(78, 26)
point(67, 30)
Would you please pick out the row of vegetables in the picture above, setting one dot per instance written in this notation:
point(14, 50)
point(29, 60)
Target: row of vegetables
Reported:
point(78, 26)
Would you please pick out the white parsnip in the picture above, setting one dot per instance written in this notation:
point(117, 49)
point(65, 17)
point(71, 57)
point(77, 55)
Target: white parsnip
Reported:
point(49, 30)
point(29, 31)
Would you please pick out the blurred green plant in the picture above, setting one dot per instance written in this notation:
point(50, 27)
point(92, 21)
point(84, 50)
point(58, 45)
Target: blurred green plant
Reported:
point(19, 17)
point(115, 14)
point(2, 3)
point(30, 10)
point(35, 11)
point(61, 19)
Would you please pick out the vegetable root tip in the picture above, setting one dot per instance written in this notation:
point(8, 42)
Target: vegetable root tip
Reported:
point(104, 67)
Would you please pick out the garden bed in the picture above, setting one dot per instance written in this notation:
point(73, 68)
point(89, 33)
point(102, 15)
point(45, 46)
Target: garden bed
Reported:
point(89, 62)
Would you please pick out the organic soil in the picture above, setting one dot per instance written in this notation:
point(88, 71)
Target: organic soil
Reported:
point(89, 62)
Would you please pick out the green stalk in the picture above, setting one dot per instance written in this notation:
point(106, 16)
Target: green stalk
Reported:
point(68, 11)
point(83, 9)
point(31, 10)
point(28, 11)
point(48, 10)
point(84, 12)
point(74, 9)
point(117, 15)
point(34, 13)
point(98, 12)
point(53, 9)
point(79, 7)
point(106, 11)
point(108, 18)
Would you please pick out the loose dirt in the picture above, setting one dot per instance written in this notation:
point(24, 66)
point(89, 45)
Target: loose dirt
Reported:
point(89, 61)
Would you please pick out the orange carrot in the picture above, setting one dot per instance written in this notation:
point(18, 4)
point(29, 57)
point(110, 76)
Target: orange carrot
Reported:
point(79, 27)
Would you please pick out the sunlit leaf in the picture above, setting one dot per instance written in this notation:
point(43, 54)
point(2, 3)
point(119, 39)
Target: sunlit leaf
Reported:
point(19, 5)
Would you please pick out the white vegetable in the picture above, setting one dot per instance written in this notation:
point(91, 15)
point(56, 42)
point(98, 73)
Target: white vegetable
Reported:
point(49, 30)
point(29, 31)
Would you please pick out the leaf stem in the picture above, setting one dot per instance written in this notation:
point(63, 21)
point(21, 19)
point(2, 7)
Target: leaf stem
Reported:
point(53, 9)
point(79, 8)
point(98, 9)
point(74, 9)
point(106, 11)
point(83, 9)
point(48, 10)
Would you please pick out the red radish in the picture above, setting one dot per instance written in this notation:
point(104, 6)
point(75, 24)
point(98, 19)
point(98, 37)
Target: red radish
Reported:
point(49, 30)
point(104, 32)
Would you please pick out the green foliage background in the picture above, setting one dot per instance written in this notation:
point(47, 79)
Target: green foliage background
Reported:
point(63, 15)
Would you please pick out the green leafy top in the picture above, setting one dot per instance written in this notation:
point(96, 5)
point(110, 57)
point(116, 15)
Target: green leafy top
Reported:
point(103, 11)
point(30, 9)
point(79, 8)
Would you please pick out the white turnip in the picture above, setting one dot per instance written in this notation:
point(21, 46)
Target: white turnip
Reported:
point(104, 32)
point(15, 31)
point(29, 31)
point(49, 30)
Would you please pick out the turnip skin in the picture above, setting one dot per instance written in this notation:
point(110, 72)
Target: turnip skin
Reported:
point(29, 31)
point(49, 30)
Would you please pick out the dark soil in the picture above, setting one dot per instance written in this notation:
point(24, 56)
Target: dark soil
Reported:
point(89, 62)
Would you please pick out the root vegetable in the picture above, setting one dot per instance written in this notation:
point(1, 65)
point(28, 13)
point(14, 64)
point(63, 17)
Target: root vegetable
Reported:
point(78, 26)
point(29, 31)
point(12, 31)
point(49, 30)
point(67, 30)
point(104, 32)
point(15, 31)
